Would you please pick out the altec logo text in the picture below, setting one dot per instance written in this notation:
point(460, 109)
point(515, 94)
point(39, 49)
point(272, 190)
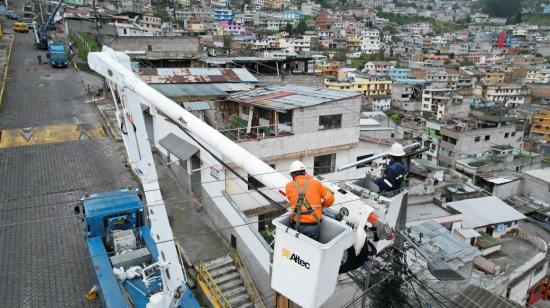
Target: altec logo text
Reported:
point(294, 257)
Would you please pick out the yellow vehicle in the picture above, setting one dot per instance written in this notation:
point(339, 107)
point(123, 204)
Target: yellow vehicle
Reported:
point(20, 27)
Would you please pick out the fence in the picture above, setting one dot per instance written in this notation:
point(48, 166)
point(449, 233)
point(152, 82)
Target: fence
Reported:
point(247, 280)
point(83, 41)
point(210, 288)
point(258, 132)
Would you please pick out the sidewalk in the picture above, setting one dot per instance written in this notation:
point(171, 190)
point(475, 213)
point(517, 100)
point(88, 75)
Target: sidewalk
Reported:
point(6, 44)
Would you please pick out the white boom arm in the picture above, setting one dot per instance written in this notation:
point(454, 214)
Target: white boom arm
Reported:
point(115, 67)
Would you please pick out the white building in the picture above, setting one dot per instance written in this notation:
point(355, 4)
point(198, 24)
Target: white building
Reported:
point(379, 102)
point(538, 75)
point(510, 95)
point(151, 23)
point(295, 44)
point(370, 41)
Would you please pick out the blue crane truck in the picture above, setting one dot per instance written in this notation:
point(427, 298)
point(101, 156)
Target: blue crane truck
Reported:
point(56, 55)
point(124, 255)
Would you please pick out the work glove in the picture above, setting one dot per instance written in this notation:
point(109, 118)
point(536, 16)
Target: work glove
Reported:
point(383, 230)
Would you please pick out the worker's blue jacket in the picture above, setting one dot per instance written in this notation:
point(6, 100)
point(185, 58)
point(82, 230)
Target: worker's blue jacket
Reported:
point(393, 176)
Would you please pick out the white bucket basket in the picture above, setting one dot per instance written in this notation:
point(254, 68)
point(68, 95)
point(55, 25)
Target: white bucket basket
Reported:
point(304, 270)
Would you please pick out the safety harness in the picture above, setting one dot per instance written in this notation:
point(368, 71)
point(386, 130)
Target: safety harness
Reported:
point(302, 201)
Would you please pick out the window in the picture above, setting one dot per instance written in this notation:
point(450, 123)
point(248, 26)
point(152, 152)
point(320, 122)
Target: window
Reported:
point(285, 117)
point(506, 135)
point(364, 164)
point(330, 121)
point(477, 139)
point(245, 109)
point(263, 113)
point(324, 164)
point(488, 137)
point(513, 134)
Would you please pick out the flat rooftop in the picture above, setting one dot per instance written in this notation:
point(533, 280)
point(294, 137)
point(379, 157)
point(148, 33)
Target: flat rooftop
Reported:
point(515, 252)
point(425, 211)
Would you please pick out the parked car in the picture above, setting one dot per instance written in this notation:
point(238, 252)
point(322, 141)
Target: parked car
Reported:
point(11, 15)
point(20, 27)
point(28, 21)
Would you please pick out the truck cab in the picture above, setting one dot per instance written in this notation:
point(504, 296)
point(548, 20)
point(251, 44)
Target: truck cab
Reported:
point(56, 55)
point(124, 255)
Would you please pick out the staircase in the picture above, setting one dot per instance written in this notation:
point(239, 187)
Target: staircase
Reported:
point(229, 282)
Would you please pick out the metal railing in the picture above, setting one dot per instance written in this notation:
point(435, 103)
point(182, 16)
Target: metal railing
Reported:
point(210, 287)
point(258, 132)
point(247, 280)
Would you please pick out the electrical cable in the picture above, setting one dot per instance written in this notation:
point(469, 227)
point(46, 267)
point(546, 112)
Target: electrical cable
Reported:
point(7, 273)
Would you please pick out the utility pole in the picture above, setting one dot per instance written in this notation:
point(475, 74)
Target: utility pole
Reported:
point(97, 24)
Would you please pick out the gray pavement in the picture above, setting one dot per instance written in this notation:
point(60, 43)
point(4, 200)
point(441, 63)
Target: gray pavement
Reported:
point(192, 227)
point(43, 256)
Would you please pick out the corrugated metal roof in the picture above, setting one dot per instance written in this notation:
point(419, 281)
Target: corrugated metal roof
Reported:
point(287, 97)
point(196, 75)
point(440, 244)
point(234, 87)
point(479, 212)
point(475, 297)
point(186, 90)
point(197, 106)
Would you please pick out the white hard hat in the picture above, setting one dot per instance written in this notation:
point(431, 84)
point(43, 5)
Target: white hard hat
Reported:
point(297, 166)
point(397, 150)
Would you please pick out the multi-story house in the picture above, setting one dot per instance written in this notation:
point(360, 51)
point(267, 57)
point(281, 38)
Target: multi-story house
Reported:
point(296, 44)
point(509, 95)
point(432, 97)
point(443, 77)
point(378, 68)
point(540, 127)
point(406, 97)
point(370, 41)
point(399, 74)
point(538, 75)
point(492, 78)
point(151, 23)
point(431, 140)
point(222, 14)
point(368, 86)
point(353, 43)
point(469, 139)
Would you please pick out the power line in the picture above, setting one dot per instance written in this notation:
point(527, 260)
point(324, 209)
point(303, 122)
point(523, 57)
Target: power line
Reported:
point(5, 274)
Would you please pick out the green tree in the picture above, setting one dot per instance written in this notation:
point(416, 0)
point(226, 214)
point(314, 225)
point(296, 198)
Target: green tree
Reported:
point(288, 28)
point(227, 40)
point(502, 8)
point(518, 18)
point(467, 63)
point(162, 14)
point(301, 27)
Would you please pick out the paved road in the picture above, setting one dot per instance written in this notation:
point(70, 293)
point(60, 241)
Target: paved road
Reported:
point(42, 253)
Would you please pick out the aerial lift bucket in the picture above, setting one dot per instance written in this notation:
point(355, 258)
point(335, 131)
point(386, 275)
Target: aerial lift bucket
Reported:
point(304, 270)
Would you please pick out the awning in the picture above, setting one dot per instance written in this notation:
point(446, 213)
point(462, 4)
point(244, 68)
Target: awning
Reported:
point(197, 106)
point(467, 233)
point(178, 147)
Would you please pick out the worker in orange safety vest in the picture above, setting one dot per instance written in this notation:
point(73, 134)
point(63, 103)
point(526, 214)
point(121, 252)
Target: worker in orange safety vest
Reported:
point(307, 197)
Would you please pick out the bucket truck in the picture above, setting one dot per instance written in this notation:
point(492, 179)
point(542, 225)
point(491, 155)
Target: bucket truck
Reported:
point(304, 270)
point(42, 32)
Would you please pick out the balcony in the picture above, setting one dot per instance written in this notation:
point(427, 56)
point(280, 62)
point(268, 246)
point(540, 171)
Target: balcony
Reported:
point(258, 132)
